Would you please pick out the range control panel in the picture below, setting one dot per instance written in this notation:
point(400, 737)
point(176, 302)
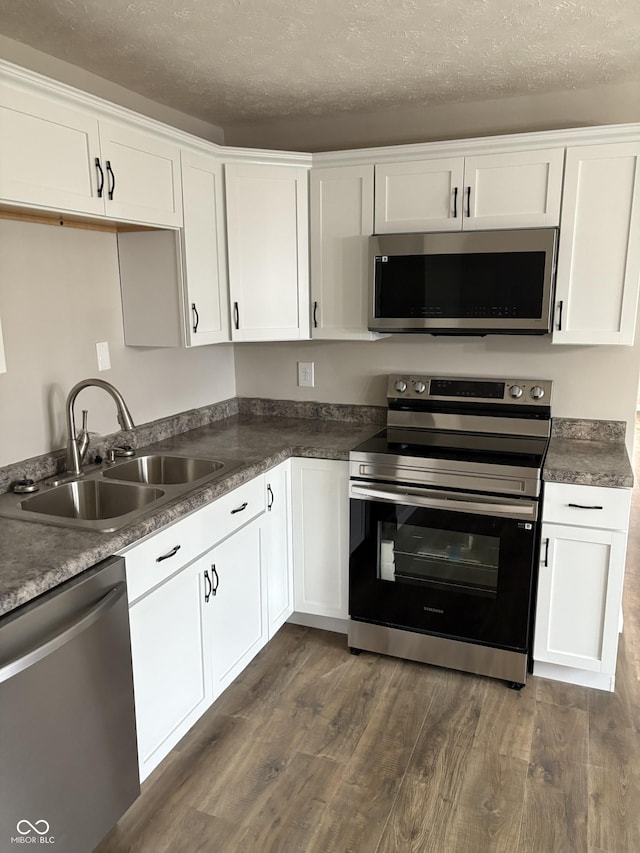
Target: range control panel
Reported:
point(528, 392)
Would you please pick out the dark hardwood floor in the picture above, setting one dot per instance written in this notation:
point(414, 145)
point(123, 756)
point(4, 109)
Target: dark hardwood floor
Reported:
point(314, 750)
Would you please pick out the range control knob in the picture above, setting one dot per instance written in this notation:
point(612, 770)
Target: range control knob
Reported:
point(419, 387)
point(516, 392)
point(537, 393)
point(400, 385)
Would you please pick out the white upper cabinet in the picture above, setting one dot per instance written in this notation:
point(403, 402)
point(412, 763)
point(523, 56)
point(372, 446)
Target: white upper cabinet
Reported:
point(56, 156)
point(267, 234)
point(142, 176)
point(204, 253)
point(341, 225)
point(599, 251)
point(174, 283)
point(48, 153)
point(516, 190)
point(508, 190)
point(424, 195)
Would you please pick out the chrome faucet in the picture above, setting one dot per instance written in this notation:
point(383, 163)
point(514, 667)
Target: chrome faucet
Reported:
point(74, 461)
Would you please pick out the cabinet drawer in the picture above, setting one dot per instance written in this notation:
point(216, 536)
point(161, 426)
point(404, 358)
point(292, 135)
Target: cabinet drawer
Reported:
point(586, 506)
point(159, 556)
point(235, 509)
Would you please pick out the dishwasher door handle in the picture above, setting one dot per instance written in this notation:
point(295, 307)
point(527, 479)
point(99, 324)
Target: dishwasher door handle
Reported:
point(85, 621)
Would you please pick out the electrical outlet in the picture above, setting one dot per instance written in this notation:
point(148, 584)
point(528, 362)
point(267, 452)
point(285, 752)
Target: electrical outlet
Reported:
point(104, 359)
point(305, 374)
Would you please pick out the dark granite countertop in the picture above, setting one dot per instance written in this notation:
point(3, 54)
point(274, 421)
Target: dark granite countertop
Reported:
point(587, 462)
point(588, 453)
point(37, 557)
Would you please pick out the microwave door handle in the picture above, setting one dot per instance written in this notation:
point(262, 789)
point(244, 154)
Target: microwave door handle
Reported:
point(458, 503)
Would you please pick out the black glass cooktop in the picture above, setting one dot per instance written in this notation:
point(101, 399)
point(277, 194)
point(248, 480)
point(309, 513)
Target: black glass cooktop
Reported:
point(521, 451)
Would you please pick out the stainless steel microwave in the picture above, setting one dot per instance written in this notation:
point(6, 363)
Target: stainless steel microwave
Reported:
point(463, 283)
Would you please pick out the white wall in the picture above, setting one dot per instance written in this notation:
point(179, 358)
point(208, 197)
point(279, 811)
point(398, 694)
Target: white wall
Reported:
point(589, 382)
point(64, 72)
point(612, 104)
point(59, 296)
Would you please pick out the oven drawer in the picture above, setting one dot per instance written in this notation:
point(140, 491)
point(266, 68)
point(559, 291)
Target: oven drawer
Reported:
point(586, 506)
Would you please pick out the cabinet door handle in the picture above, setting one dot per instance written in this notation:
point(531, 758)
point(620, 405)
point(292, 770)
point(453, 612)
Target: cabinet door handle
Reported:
point(545, 562)
point(269, 497)
point(169, 554)
point(560, 304)
point(584, 506)
point(196, 317)
point(455, 202)
point(315, 315)
point(236, 315)
point(112, 185)
point(214, 574)
point(100, 177)
point(240, 508)
point(208, 588)
point(468, 202)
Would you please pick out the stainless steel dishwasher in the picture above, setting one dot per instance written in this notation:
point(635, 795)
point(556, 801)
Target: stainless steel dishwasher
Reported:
point(68, 755)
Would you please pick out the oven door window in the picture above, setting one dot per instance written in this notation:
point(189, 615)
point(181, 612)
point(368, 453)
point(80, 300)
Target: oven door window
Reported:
point(439, 559)
point(455, 574)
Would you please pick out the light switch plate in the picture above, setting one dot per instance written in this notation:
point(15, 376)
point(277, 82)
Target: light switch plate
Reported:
point(305, 374)
point(104, 359)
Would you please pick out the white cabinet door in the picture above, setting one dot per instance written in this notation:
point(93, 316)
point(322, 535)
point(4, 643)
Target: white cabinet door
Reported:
point(579, 596)
point(174, 284)
point(235, 613)
point(509, 190)
point(142, 181)
point(206, 296)
point(320, 511)
point(267, 233)
point(277, 546)
point(518, 190)
point(170, 671)
point(424, 195)
point(47, 153)
point(599, 250)
point(341, 225)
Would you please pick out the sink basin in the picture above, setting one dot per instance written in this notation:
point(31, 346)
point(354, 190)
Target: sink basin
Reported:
point(91, 500)
point(164, 470)
point(109, 498)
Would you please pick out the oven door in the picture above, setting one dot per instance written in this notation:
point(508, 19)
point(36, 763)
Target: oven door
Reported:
point(453, 564)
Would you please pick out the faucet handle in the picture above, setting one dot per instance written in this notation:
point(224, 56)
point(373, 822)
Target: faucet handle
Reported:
point(124, 450)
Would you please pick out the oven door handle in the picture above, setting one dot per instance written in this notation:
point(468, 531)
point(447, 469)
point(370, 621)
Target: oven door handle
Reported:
point(458, 502)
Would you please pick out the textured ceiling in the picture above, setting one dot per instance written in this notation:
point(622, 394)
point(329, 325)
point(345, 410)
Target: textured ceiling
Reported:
point(236, 61)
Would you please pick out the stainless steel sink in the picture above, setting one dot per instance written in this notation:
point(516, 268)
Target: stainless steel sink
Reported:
point(108, 498)
point(91, 501)
point(164, 470)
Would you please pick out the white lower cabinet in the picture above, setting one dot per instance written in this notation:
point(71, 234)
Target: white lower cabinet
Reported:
point(235, 612)
point(198, 614)
point(320, 514)
point(170, 669)
point(277, 546)
point(580, 584)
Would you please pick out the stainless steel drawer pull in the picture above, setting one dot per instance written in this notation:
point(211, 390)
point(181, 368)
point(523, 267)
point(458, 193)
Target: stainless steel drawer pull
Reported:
point(169, 554)
point(239, 508)
point(582, 506)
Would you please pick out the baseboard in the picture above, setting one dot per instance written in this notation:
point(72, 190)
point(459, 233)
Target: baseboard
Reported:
point(571, 675)
point(324, 623)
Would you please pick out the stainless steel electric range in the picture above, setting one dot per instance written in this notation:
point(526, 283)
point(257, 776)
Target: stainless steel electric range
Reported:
point(444, 535)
